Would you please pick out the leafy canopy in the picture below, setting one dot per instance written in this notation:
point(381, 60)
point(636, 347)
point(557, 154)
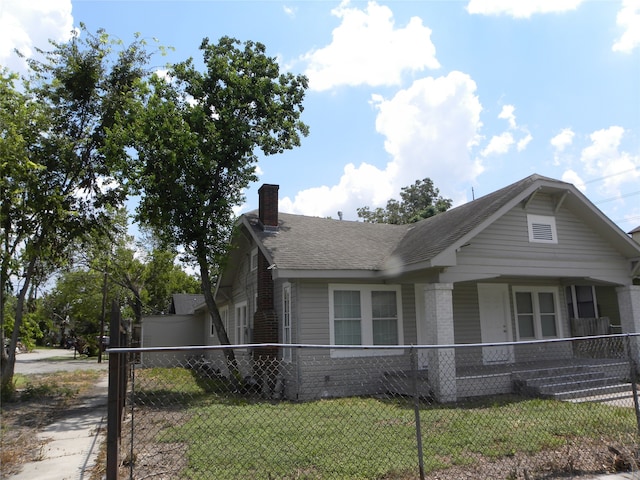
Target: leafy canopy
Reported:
point(417, 202)
point(198, 136)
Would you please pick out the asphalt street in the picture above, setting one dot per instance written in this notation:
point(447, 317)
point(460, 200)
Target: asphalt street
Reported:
point(55, 360)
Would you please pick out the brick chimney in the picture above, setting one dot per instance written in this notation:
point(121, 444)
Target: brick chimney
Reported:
point(265, 319)
point(268, 206)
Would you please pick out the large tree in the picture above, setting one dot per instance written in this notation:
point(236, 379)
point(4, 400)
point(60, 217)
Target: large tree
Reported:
point(197, 145)
point(417, 202)
point(64, 156)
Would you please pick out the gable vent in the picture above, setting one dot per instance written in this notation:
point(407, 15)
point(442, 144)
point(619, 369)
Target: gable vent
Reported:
point(542, 232)
point(542, 229)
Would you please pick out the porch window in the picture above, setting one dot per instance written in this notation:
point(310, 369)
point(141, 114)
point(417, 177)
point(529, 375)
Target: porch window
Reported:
point(286, 321)
point(581, 301)
point(536, 312)
point(364, 315)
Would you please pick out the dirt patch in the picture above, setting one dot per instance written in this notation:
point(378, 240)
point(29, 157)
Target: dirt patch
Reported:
point(45, 399)
point(572, 461)
point(152, 458)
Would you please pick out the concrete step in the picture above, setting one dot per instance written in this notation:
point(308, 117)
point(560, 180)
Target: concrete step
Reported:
point(554, 389)
point(566, 378)
point(551, 371)
point(608, 393)
point(570, 382)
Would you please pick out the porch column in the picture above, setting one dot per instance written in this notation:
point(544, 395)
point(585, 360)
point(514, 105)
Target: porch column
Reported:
point(438, 305)
point(629, 307)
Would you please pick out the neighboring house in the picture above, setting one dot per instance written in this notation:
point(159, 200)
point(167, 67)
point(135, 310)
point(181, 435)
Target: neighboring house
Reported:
point(635, 234)
point(527, 262)
point(185, 303)
point(182, 326)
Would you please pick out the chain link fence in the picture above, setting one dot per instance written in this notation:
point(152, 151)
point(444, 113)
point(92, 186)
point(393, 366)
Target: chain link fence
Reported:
point(504, 411)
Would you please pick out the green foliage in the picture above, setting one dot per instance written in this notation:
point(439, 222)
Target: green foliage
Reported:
point(33, 326)
point(64, 155)
point(198, 136)
point(197, 139)
point(418, 201)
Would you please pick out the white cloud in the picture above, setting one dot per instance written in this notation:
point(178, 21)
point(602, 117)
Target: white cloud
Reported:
point(523, 142)
point(498, 145)
point(571, 176)
point(629, 19)
point(507, 114)
point(520, 8)
point(563, 139)
point(368, 49)
point(429, 129)
point(28, 24)
point(603, 159)
point(289, 11)
point(358, 186)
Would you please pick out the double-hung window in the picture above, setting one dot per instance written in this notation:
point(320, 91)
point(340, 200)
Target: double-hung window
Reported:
point(536, 312)
point(581, 301)
point(364, 315)
point(242, 324)
point(286, 321)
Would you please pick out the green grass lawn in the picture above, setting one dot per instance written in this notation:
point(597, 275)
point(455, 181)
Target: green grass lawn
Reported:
point(356, 438)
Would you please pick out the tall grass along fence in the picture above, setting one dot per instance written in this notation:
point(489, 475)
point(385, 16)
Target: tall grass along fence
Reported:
point(505, 411)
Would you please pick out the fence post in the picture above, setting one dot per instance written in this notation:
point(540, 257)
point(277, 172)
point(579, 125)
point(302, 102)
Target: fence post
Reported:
point(633, 367)
point(416, 408)
point(113, 399)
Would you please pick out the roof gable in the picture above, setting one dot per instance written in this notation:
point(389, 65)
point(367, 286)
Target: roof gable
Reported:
point(314, 244)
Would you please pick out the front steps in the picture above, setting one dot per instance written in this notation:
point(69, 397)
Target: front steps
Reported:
point(575, 383)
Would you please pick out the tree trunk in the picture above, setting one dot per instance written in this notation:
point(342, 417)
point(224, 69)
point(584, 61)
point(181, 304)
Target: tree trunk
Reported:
point(8, 366)
point(229, 354)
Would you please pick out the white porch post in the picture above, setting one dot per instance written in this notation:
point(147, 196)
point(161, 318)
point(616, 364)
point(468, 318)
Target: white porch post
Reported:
point(438, 309)
point(629, 307)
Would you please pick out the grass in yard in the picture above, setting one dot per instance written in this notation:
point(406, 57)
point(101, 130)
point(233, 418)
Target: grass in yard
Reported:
point(354, 438)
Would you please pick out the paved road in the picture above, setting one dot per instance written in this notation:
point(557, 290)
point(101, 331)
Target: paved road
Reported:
point(55, 360)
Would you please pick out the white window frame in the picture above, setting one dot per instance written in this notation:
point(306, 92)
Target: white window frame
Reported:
point(287, 337)
point(534, 222)
point(537, 324)
point(366, 324)
point(241, 323)
point(574, 300)
point(253, 260)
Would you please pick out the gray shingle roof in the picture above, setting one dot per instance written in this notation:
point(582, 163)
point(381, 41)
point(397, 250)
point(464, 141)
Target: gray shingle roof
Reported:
point(433, 235)
point(314, 243)
point(184, 303)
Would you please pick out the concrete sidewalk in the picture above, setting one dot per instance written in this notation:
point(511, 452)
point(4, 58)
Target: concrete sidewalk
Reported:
point(73, 441)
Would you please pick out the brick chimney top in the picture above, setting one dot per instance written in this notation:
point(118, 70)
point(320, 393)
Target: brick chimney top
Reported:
point(268, 207)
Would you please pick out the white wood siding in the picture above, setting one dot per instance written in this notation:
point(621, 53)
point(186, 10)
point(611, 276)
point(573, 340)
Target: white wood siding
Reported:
point(504, 248)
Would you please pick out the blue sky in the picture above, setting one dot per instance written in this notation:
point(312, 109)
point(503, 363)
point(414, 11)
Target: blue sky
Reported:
point(473, 94)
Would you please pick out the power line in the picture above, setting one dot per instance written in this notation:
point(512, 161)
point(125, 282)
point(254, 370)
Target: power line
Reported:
point(630, 194)
point(593, 180)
